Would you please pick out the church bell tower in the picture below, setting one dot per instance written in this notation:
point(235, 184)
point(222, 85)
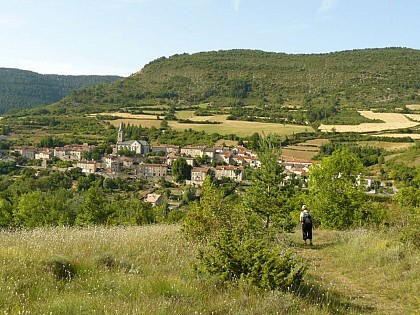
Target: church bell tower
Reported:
point(121, 133)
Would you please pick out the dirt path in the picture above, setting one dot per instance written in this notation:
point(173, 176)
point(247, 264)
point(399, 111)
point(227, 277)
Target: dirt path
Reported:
point(356, 287)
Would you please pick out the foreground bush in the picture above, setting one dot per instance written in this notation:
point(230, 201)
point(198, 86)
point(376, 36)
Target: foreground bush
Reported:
point(231, 258)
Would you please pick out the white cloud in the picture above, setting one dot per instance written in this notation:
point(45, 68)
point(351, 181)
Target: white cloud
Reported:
point(326, 5)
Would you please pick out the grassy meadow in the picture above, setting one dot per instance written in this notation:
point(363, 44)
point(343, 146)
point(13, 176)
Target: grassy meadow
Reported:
point(149, 270)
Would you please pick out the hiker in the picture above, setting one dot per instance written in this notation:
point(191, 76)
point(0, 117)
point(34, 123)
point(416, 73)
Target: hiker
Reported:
point(306, 220)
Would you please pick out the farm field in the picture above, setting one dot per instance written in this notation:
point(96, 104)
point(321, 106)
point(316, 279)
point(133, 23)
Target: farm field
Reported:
point(133, 119)
point(413, 106)
point(225, 127)
point(388, 146)
point(288, 153)
point(399, 135)
point(415, 117)
point(146, 123)
point(391, 121)
point(241, 128)
point(303, 151)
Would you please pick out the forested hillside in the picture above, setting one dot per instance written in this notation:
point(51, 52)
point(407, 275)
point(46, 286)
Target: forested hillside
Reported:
point(25, 89)
point(358, 78)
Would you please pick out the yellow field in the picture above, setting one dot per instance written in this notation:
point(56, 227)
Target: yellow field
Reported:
point(399, 135)
point(315, 142)
point(240, 128)
point(415, 117)
point(128, 115)
point(288, 154)
point(413, 106)
point(223, 142)
point(391, 121)
point(388, 146)
point(146, 123)
point(185, 114)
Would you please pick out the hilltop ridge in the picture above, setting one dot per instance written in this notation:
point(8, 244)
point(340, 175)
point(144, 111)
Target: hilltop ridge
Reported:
point(361, 78)
point(25, 89)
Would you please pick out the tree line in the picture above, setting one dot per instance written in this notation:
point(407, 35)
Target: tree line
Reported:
point(25, 89)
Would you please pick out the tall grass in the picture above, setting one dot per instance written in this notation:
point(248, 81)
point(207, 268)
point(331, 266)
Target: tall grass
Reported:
point(148, 270)
point(369, 270)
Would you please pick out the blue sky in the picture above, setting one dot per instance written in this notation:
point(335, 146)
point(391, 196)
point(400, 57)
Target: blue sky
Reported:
point(121, 36)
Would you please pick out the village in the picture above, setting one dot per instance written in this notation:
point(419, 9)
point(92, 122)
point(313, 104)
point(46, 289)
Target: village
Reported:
point(155, 162)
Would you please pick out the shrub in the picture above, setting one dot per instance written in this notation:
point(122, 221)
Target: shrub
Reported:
point(231, 257)
point(107, 260)
point(61, 268)
point(410, 232)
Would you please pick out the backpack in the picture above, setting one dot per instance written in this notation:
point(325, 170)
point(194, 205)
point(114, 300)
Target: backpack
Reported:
point(307, 220)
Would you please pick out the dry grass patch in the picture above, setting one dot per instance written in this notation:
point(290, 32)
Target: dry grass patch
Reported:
point(229, 143)
point(415, 117)
point(146, 123)
point(391, 121)
point(127, 115)
point(240, 128)
point(413, 106)
point(143, 120)
point(399, 135)
point(290, 154)
point(302, 148)
point(185, 114)
point(388, 146)
point(224, 126)
point(316, 142)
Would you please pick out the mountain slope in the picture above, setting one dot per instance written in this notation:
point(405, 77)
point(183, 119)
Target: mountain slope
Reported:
point(25, 89)
point(369, 77)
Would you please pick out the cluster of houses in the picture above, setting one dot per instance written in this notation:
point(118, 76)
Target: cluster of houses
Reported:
point(230, 162)
point(227, 162)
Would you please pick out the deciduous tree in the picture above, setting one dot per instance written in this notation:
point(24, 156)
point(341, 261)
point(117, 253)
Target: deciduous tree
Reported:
point(336, 190)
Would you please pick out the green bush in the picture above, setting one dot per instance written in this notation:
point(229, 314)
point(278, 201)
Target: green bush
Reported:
point(410, 232)
point(109, 261)
point(61, 268)
point(231, 257)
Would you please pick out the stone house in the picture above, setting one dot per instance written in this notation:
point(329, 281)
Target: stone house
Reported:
point(154, 199)
point(193, 151)
point(88, 167)
point(154, 170)
point(26, 152)
point(44, 154)
point(235, 173)
point(198, 175)
point(168, 149)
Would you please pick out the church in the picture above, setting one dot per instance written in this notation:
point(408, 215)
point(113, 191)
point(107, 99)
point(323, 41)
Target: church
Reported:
point(137, 146)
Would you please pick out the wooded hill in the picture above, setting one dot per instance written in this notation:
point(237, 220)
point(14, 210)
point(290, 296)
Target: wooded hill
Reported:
point(24, 89)
point(359, 78)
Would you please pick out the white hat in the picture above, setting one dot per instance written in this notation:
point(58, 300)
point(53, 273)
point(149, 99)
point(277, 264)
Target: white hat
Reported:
point(304, 207)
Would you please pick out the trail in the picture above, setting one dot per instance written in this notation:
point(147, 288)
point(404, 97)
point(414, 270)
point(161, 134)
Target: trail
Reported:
point(363, 289)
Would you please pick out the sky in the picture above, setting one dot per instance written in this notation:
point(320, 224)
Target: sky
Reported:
point(119, 37)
